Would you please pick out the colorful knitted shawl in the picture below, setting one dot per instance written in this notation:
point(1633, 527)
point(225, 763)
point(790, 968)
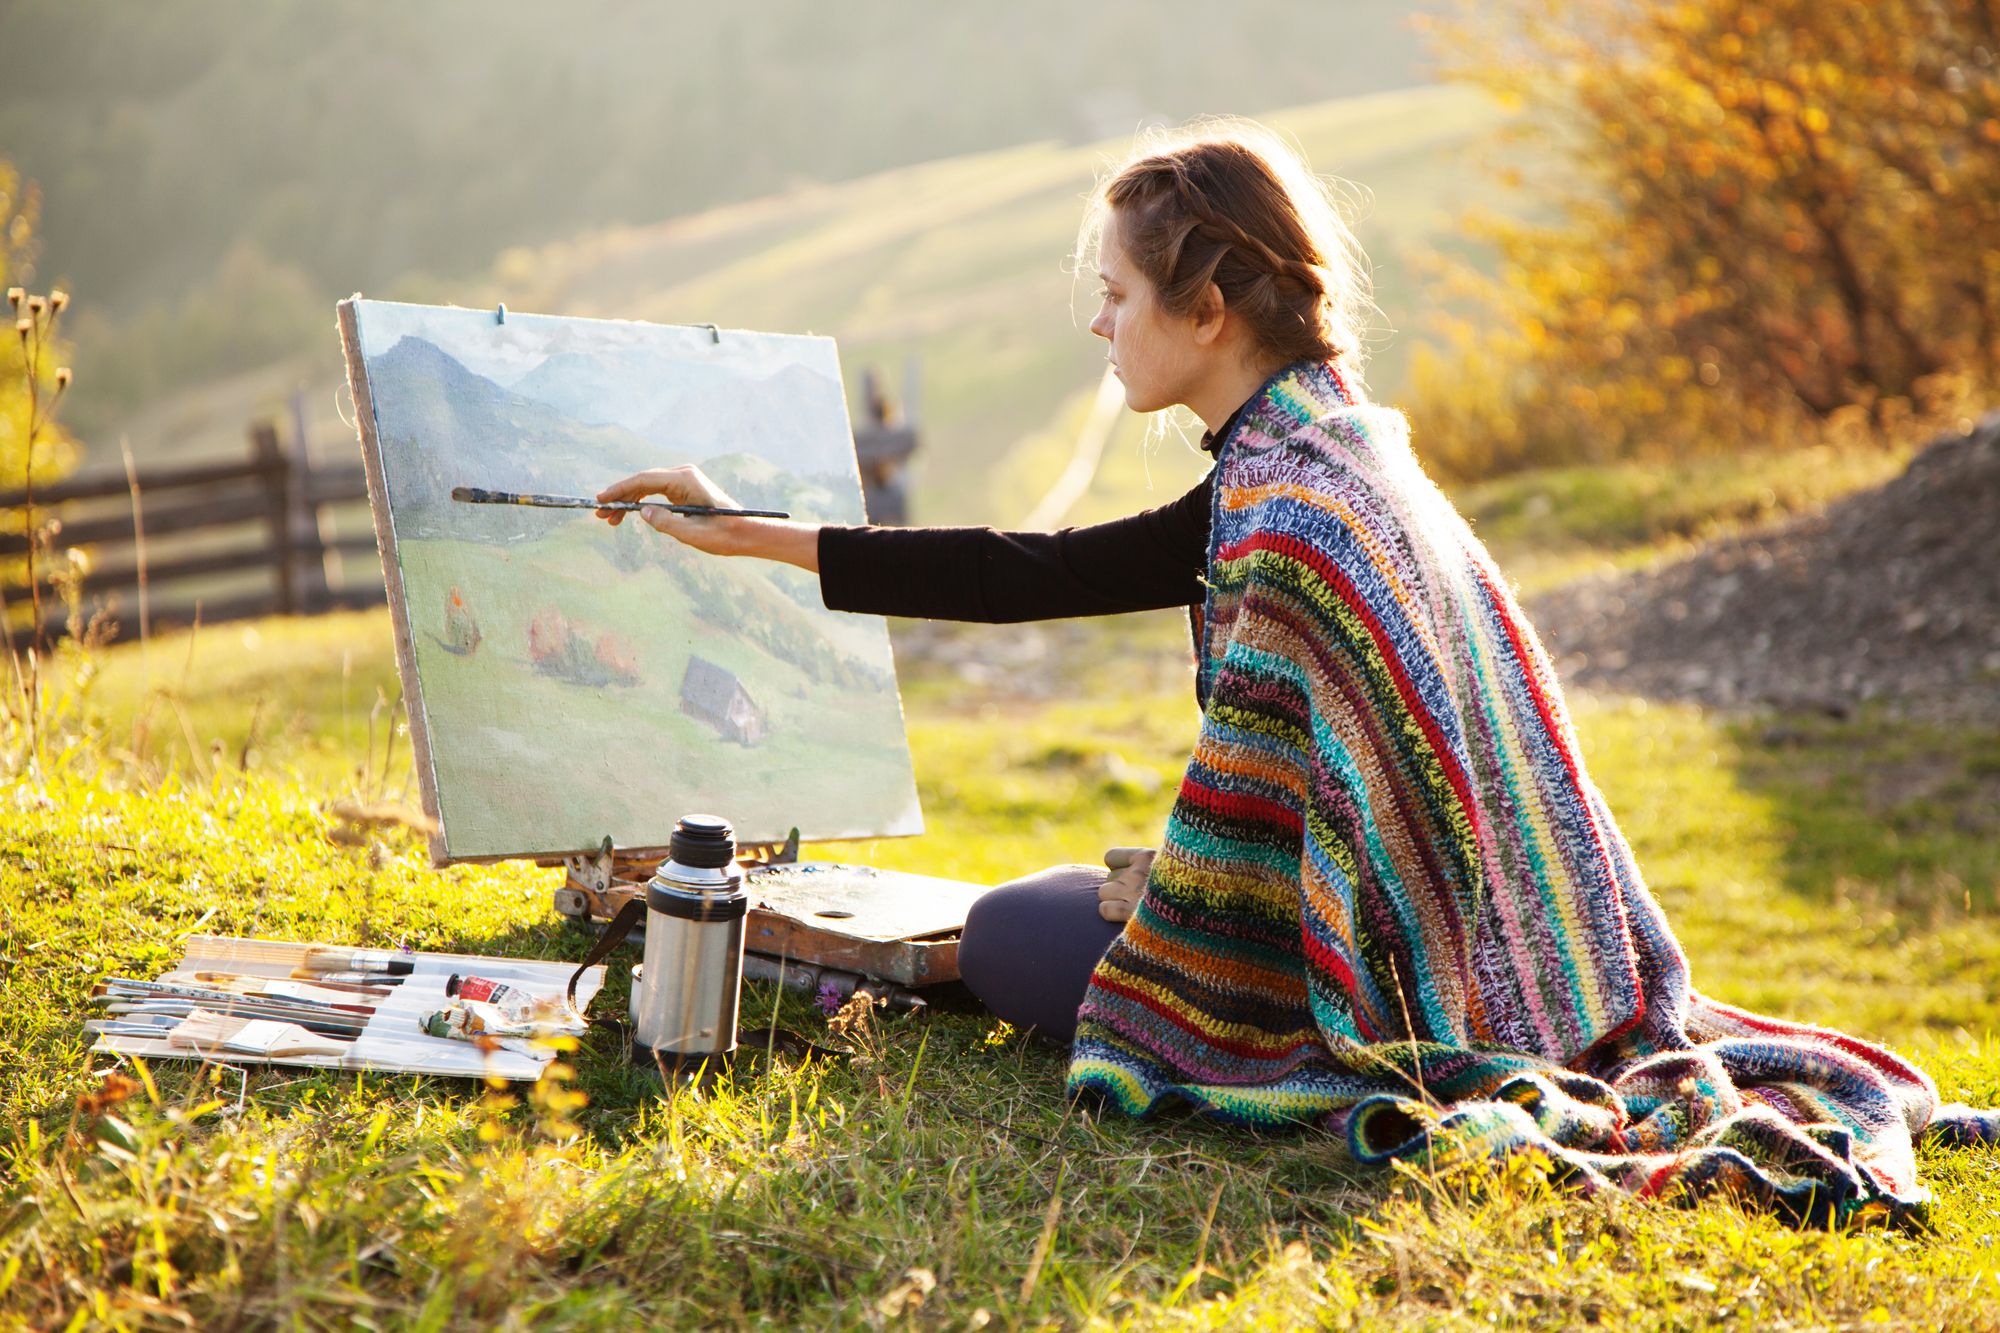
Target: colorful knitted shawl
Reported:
point(1390, 899)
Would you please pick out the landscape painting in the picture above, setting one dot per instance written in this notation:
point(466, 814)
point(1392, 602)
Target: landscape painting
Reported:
point(568, 681)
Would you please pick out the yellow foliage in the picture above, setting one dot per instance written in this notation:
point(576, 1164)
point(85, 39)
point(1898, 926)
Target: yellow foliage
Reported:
point(1750, 248)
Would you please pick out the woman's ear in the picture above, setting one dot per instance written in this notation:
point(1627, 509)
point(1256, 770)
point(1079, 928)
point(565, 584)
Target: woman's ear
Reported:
point(1209, 308)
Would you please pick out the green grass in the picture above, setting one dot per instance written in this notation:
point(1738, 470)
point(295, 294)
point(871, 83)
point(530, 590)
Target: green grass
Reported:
point(1550, 525)
point(1840, 872)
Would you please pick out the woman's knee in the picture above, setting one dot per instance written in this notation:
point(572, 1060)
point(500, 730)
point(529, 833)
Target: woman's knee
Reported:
point(1030, 946)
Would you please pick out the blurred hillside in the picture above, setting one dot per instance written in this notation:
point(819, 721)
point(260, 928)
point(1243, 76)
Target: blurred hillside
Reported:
point(959, 261)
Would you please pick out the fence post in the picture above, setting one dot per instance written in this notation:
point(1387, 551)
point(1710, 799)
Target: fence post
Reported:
point(274, 475)
point(309, 549)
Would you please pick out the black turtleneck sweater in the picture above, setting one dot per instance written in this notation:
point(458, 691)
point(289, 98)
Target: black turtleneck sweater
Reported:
point(1149, 560)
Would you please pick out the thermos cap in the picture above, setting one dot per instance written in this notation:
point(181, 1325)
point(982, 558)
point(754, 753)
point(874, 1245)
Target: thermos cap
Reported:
point(704, 842)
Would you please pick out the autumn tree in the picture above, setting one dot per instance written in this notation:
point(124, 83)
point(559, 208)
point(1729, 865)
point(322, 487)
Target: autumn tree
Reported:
point(1762, 214)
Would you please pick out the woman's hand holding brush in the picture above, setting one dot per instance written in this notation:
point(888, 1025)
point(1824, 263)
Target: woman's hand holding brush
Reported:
point(791, 542)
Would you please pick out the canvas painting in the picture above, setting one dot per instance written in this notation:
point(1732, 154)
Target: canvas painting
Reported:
point(568, 681)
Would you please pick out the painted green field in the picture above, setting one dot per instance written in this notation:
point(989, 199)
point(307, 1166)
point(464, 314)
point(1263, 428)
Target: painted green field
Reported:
point(627, 743)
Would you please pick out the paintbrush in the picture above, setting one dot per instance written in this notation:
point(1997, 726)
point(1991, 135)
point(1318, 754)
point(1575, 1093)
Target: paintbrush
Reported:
point(319, 990)
point(323, 987)
point(331, 1025)
point(114, 992)
point(382, 962)
point(475, 495)
point(205, 1031)
point(156, 1004)
point(221, 995)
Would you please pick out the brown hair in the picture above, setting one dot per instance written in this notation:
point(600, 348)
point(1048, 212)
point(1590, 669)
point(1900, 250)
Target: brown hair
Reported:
point(1229, 203)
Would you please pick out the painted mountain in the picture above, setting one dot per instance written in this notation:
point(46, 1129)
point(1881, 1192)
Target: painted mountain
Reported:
point(455, 428)
point(694, 412)
point(443, 426)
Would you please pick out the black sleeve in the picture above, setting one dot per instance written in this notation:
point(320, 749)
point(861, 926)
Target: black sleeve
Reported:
point(1152, 559)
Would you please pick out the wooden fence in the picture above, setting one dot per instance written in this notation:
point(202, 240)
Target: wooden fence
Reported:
point(168, 543)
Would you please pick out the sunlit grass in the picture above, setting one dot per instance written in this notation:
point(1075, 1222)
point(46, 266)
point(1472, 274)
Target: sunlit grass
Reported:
point(1840, 872)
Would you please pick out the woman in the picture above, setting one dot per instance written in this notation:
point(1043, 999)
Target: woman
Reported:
point(1389, 898)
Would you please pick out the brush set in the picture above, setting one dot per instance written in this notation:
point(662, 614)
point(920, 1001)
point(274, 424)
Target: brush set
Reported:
point(271, 1002)
point(233, 1013)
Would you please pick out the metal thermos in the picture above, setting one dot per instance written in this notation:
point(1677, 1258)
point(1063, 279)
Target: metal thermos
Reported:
point(695, 907)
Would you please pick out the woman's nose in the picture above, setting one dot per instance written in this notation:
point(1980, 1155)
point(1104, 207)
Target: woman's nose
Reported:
point(1101, 326)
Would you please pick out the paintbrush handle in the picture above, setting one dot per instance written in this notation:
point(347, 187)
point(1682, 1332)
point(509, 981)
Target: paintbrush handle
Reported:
point(285, 988)
point(144, 1025)
point(701, 511)
point(375, 962)
point(332, 1027)
point(223, 996)
point(364, 982)
point(479, 495)
point(114, 1029)
point(242, 1004)
point(375, 989)
point(254, 1036)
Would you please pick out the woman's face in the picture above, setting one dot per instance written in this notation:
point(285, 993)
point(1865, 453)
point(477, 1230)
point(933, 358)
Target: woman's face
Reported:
point(1155, 354)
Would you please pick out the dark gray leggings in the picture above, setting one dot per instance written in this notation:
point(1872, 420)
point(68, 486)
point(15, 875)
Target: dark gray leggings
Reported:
point(1030, 945)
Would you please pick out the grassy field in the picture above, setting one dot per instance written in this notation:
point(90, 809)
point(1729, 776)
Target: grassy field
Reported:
point(1846, 873)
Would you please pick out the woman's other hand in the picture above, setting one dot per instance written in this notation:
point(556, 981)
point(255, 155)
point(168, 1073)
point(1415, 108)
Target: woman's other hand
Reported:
point(718, 534)
point(1119, 894)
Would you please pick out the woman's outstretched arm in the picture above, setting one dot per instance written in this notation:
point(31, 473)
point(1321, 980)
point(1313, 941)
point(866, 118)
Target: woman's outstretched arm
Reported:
point(1146, 561)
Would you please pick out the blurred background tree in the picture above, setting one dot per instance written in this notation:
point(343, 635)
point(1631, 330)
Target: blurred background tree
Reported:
point(1771, 219)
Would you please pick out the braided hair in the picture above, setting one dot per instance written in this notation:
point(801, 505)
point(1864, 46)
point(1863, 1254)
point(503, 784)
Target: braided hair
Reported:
point(1228, 203)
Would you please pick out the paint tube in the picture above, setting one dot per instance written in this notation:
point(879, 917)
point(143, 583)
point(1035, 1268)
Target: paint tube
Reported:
point(461, 987)
point(469, 1020)
point(454, 1021)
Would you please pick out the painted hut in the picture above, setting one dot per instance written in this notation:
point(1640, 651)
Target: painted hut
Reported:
point(714, 695)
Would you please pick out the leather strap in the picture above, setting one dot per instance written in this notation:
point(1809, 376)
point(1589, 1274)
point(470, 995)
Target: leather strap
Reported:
point(630, 915)
point(787, 1041)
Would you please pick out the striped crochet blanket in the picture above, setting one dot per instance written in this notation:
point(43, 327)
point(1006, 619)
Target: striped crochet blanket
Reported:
point(1390, 899)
